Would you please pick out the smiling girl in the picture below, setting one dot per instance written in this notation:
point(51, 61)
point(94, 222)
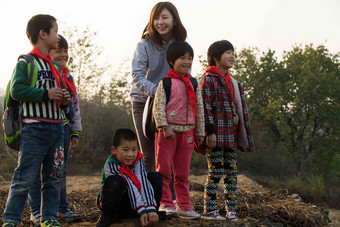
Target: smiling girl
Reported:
point(176, 117)
point(227, 127)
point(149, 66)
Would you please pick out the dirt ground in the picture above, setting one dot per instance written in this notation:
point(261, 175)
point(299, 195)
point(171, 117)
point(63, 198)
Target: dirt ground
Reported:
point(258, 206)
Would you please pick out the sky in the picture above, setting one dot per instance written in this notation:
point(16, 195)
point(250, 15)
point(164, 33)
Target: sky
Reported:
point(267, 24)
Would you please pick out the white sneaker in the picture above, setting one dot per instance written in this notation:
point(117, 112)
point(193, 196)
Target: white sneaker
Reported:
point(212, 215)
point(189, 214)
point(170, 211)
point(232, 216)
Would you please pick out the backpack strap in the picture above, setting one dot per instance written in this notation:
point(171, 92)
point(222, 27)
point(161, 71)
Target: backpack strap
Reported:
point(194, 83)
point(60, 69)
point(32, 70)
point(58, 66)
point(215, 80)
point(167, 86)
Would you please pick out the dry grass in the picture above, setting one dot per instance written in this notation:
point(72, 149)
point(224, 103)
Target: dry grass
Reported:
point(257, 205)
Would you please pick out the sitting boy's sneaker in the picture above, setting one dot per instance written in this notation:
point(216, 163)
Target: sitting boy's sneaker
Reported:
point(104, 221)
point(68, 216)
point(232, 216)
point(8, 224)
point(162, 216)
point(170, 211)
point(189, 214)
point(50, 223)
point(212, 215)
point(35, 219)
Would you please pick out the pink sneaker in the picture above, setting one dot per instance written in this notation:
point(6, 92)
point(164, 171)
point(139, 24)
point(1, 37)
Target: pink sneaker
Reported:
point(170, 211)
point(189, 214)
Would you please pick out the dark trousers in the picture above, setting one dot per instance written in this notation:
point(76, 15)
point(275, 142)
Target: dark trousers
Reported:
point(115, 201)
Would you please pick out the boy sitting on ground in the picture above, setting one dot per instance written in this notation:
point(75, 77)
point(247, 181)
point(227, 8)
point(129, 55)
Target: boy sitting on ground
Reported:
point(127, 191)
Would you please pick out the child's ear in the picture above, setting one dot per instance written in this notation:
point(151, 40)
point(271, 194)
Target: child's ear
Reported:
point(42, 34)
point(113, 150)
point(216, 61)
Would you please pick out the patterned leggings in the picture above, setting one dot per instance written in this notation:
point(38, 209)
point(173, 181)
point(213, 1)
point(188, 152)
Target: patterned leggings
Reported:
point(221, 162)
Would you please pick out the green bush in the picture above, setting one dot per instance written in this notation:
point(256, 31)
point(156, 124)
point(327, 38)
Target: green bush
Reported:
point(198, 164)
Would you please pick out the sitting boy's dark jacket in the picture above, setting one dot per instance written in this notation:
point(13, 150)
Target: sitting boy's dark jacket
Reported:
point(140, 190)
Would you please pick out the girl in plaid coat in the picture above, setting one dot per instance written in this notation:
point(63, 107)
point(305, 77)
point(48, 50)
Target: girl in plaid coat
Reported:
point(227, 127)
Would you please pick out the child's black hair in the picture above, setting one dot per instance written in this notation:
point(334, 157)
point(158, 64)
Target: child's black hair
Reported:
point(37, 23)
point(123, 134)
point(176, 50)
point(62, 42)
point(216, 50)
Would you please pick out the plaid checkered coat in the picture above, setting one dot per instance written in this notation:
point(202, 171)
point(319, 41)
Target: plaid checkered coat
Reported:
point(218, 113)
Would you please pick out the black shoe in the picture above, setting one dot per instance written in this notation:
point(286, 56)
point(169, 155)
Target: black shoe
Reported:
point(104, 221)
point(162, 216)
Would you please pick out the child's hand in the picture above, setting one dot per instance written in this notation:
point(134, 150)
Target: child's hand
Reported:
point(66, 97)
point(200, 140)
point(211, 141)
point(153, 218)
point(168, 133)
point(144, 219)
point(148, 219)
point(55, 93)
point(74, 142)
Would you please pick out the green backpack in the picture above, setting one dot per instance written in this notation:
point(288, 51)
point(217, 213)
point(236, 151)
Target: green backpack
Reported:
point(11, 116)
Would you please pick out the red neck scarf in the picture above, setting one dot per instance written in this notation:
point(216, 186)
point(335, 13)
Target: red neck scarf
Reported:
point(191, 93)
point(124, 170)
point(54, 70)
point(227, 80)
point(70, 83)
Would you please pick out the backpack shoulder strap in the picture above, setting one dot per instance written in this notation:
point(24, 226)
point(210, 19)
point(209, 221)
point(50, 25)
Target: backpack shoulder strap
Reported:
point(214, 78)
point(167, 87)
point(32, 70)
point(194, 83)
point(58, 66)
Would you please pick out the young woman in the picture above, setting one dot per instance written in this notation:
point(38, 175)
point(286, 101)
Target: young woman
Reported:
point(149, 66)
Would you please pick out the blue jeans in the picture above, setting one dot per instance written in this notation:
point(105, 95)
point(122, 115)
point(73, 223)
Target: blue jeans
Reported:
point(34, 197)
point(41, 149)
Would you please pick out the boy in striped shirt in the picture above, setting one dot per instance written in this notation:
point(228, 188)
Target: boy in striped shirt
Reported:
point(42, 133)
point(127, 191)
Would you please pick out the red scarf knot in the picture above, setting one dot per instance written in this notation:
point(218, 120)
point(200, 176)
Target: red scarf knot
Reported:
point(227, 80)
point(125, 171)
point(54, 70)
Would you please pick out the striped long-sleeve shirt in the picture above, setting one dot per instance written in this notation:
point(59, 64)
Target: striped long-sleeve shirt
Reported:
point(34, 100)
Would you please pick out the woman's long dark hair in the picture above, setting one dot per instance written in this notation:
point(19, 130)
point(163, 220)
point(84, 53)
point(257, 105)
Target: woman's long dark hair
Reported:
point(178, 30)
